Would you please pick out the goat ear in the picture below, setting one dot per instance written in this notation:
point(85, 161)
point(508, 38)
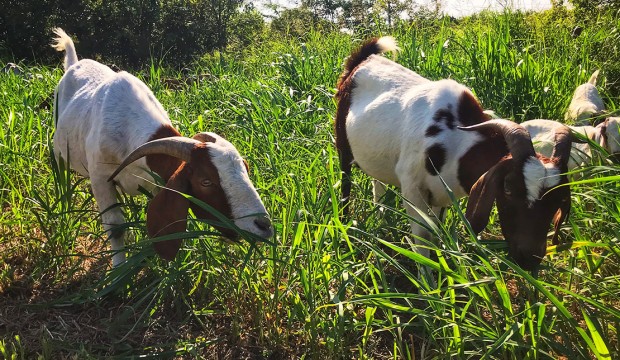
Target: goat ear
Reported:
point(167, 214)
point(482, 196)
point(558, 219)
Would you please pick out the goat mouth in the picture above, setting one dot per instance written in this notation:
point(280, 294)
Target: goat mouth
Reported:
point(235, 238)
point(528, 260)
point(228, 235)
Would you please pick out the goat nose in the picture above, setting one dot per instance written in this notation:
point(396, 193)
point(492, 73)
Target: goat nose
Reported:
point(263, 223)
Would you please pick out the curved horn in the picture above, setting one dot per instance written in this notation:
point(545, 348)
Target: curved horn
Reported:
point(204, 137)
point(177, 146)
point(516, 136)
point(563, 140)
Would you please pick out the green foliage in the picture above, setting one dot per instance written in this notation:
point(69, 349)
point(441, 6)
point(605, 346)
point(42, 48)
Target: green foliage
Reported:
point(247, 27)
point(321, 289)
point(127, 32)
point(295, 22)
point(590, 8)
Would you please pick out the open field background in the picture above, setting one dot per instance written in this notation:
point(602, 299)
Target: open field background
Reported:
point(323, 289)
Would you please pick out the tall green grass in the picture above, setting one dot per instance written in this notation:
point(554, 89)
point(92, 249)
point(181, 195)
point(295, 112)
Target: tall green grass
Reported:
point(322, 289)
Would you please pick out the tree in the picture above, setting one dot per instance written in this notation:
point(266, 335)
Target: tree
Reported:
point(391, 10)
point(589, 8)
point(23, 27)
point(356, 13)
point(222, 11)
point(246, 27)
point(295, 22)
point(326, 9)
point(123, 31)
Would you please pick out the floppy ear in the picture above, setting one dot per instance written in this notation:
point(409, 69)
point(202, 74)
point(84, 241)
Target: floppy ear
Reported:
point(559, 218)
point(482, 196)
point(167, 214)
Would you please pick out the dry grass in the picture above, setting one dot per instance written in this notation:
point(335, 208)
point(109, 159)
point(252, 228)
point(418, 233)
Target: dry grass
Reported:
point(45, 314)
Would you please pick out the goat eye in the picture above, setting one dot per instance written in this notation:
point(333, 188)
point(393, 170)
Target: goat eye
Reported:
point(206, 183)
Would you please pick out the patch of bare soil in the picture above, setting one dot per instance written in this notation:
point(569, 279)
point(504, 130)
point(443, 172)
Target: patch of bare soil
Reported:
point(56, 316)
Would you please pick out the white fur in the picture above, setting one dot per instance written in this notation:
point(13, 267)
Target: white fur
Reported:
point(542, 133)
point(387, 44)
point(392, 122)
point(391, 108)
point(586, 102)
point(388, 96)
point(539, 176)
point(613, 135)
point(235, 181)
point(64, 43)
point(102, 116)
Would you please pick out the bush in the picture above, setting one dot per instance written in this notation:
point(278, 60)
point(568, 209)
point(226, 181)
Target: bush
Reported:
point(128, 32)
point(297, 22)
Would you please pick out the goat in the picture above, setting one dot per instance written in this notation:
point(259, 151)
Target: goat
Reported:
point(104, 118)
point(586, 102)
point(405, 130)
point(606, 135)
point(12, 68)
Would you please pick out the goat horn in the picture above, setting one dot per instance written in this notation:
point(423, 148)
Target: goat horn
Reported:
point(516, 136)
point(177, 146)
point(204, 137)
point(563, 141)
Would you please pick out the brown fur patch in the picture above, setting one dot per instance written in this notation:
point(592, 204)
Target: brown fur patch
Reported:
point(432, 131)
point(343, 147)
point(479, 159)
point(445, 115)
point(345, 86)
point(167, 212)
point(469, 110)
point(435, 159)
point(163, 165)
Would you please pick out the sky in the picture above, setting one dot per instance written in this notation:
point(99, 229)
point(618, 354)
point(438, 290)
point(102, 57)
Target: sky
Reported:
point(467, 7)
point(458, 8)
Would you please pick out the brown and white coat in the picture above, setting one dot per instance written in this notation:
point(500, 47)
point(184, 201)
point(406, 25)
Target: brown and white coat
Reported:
point(416, 134)
point(111, 128)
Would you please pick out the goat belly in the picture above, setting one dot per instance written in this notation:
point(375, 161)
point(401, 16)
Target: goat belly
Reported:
point(375, 163)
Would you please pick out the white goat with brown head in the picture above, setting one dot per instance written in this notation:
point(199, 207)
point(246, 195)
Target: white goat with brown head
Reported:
point(606, 135)
point(586, 103)
point(411, 132)
point(113, 130)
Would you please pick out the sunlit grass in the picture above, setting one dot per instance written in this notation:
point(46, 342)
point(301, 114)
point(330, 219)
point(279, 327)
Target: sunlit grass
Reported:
point(322, 288)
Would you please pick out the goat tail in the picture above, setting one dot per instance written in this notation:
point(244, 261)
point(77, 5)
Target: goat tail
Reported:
point(64, 43)
point(593, 78)
point(370, 47)
point(387, 44)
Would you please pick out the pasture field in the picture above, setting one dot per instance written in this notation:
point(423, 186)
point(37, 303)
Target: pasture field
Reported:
point(322, 289)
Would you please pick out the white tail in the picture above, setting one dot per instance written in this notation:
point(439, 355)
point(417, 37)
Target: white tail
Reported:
point(593, 78)
point(387, 44)
point(64, 43)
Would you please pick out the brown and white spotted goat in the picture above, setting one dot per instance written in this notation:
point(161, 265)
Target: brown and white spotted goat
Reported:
point(104, 119)
point(408, 131)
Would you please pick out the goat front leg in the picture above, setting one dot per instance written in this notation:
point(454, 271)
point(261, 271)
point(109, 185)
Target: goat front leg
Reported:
point(111, 216)
point(378, 191)
point(416, 208)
